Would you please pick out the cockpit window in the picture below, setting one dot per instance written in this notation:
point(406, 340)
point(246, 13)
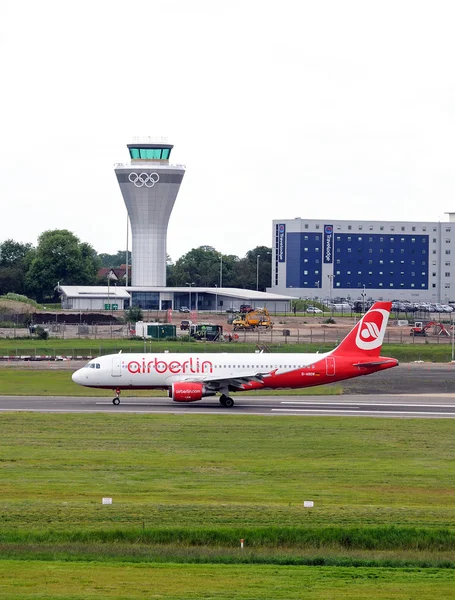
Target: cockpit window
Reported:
point(98, 366)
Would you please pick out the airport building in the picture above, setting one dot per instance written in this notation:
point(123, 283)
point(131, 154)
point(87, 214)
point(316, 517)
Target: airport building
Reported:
point(382, 260)
point(149, 184)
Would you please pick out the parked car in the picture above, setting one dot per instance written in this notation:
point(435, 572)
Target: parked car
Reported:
point(313, 309)
point(185, 325)
point(184, 309)
point(232, 310)
point(245, 308)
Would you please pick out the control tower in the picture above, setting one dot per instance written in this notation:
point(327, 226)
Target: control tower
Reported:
point(149, 186)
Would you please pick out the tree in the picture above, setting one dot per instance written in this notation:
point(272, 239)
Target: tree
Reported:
point(13, 259)
point(200, 266)
point(60, 257)
point(111, 261)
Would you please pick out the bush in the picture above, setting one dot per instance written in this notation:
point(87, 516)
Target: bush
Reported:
point(41, 333)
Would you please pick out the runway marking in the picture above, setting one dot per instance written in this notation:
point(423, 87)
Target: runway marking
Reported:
point(363, 412)
point(371, 403)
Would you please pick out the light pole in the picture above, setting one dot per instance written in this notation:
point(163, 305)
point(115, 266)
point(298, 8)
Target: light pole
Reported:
point(221, 271)
point(330, 276)
point(190, 284)
point(257, 271)
point(216, 299)
point(363, 294)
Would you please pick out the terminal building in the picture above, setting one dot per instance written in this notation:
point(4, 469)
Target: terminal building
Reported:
point(382, 260)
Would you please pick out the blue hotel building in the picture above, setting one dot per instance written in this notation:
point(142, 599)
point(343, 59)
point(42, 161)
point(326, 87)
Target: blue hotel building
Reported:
point(385, 259)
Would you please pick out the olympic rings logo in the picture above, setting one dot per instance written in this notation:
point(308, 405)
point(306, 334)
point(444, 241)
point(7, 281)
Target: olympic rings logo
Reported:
point(141, 179)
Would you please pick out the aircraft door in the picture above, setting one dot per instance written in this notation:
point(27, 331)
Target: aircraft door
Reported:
point(116, 366)
point(330, 366)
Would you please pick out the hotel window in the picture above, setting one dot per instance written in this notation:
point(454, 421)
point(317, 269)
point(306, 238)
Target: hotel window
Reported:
point(434, 274)
point(447, 263)
point(359, 238)
point(317, 226)
point(447, 286)
point(448, 229)
point(413, 228)
point(424, 228)
point(402, 229)
point(447, 274)
point(392, 229)
point(447, 241)
point(349, 227)
point(381, 228)
point(392, 239)
point(360, 227)
point(447, 251)
point(306, 225)
point(434, 240)
point(370, 227)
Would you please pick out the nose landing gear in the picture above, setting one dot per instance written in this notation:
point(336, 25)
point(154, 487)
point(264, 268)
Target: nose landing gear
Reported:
point(116, 400)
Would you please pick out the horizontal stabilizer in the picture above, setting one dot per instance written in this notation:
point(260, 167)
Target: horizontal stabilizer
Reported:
point(376, 363)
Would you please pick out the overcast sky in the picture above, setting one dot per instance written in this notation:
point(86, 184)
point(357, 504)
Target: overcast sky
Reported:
point(330, 110)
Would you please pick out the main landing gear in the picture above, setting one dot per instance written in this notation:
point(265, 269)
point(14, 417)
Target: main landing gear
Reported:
point(116, 400)
point(226, 401)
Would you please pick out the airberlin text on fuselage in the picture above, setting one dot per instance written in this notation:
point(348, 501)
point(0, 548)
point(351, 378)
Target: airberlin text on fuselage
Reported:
point(192, 365)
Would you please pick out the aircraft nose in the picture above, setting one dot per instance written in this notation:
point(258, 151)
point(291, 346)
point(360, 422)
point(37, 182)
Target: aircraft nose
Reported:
point(77, 376)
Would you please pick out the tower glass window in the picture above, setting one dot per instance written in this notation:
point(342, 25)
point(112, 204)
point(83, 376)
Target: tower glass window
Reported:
point(150, 153)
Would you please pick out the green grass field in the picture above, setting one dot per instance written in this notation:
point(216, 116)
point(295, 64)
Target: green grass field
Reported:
point(186, 488)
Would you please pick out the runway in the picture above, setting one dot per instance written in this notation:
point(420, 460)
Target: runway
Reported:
point(358, 405)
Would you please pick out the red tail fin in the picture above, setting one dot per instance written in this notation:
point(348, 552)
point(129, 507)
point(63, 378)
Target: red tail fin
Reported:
point(367, 336)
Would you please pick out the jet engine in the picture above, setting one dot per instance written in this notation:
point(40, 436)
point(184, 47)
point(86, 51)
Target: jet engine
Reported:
point(188, 392)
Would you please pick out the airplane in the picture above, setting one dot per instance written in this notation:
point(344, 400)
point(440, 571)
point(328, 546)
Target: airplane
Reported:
point(191, 377)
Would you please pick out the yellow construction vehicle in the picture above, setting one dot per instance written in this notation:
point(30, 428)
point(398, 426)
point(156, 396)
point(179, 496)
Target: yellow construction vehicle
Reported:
point(259, 317)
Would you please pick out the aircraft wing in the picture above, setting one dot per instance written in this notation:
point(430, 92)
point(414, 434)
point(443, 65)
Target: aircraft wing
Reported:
point(237, 380)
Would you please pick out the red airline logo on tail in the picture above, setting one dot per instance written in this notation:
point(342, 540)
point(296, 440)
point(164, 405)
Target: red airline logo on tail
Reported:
point(370, 333)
